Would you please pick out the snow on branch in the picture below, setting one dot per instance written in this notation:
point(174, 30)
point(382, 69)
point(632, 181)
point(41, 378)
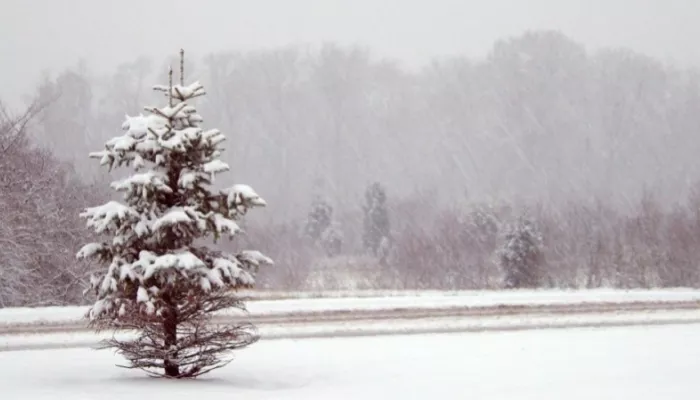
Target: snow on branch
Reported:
point(242, 197)
point(225, 225)
point(182, 260)
point(143, 184)
point(92, 250)
point(108, 217)
point(214, 167)
point(253, 259)
point(182, 92)
point(169, 113)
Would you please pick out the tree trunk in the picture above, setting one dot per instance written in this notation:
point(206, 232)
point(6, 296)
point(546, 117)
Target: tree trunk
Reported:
point(172, 367)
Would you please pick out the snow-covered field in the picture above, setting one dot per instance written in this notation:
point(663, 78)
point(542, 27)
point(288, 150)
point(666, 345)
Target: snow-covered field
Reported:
point(415, 300)
point(641, 363)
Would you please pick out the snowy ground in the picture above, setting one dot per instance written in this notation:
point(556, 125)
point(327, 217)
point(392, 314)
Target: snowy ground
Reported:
point(640, 363)
point(415, 300)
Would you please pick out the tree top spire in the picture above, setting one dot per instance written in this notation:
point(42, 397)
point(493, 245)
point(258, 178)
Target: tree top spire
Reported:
point(182, 67)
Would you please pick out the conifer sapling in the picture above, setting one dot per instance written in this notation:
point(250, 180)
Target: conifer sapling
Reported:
point(157, 281)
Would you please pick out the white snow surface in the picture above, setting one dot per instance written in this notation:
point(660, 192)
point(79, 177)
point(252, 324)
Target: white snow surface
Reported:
point(646, 363)
point(387, 301)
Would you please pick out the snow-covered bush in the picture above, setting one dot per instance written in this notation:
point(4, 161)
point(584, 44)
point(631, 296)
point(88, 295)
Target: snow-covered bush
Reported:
point(157, 281)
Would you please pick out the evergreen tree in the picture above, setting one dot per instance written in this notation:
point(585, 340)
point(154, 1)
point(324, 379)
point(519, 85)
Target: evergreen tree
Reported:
point(376, 220)
point(332, 240)
point(521, 255)
point(157, 281)
point(319, 219)
point(322, 229)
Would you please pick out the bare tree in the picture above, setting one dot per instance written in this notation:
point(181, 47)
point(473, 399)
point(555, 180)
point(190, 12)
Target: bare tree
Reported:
point(40, 197)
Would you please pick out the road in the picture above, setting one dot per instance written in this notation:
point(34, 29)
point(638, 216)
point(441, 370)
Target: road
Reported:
point(367, 322)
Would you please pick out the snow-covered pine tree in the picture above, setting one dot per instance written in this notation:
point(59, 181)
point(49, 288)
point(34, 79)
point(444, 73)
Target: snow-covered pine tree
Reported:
point(321, 229)
point(319, 219)
point(157, 280)
point(376, 233)
point(332, 240)
point(520, 257)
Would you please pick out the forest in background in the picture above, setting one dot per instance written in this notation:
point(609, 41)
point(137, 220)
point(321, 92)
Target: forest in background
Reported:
point(585, 162)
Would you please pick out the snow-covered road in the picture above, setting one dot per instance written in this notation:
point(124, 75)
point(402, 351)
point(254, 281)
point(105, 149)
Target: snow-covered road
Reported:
point(379, 327)
point(408, 306)
point(640, 363)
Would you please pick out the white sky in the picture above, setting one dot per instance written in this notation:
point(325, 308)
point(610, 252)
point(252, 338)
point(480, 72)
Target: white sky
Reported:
point(36, 35)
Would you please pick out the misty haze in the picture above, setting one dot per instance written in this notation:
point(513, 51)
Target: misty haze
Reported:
point(532, 145)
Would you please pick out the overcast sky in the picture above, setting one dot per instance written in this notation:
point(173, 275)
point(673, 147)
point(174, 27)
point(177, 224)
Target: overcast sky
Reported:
point(36, 35)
